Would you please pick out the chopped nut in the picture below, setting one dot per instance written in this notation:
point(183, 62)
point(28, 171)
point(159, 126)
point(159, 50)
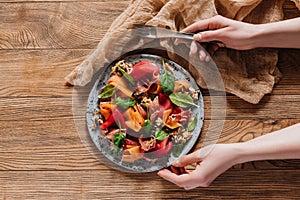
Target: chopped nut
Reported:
point(159, 121)
point(194, 93)
point(145, 100)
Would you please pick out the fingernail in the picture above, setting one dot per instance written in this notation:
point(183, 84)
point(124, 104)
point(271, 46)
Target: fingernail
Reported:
point(207, 59)
point(202, 58)
point(198, 36)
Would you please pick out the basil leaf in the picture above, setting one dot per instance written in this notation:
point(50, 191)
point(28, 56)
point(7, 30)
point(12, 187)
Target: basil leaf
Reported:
point(107, 92)
point(167, 81)
point(147, 128)
point(119, 139)
point(182, 100)
point(125, 102)
point(126, 75)
point(192, 124)
point(177, 149)
point(161, 135)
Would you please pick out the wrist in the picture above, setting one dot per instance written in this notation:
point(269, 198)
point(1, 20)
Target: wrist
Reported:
point(241, 154)
point(259, 36)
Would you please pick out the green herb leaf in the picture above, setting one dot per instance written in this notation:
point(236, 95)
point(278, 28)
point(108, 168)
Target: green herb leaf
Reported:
point(125, 102)
point(147, 128)
point(177, 149)
point(161, 135)
point(126, 75)
point(182, 100)
point(107, 92)
point(192, 124)
point(119, 139)
point(167, 81)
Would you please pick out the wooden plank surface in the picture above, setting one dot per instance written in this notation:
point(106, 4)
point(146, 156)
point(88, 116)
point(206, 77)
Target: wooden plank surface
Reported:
point(109, 184)
point(41, 154)
point(56, 24)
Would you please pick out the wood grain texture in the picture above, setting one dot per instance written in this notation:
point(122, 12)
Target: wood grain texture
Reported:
point(110, 184)
point(56, 24)
point(41, 154)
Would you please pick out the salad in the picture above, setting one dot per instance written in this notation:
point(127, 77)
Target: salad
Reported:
point(145, 112)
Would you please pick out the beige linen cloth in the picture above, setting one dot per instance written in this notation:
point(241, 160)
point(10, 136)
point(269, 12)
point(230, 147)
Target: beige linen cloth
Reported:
point(248, 74)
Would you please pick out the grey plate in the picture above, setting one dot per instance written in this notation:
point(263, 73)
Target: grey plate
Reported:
point(105, 146)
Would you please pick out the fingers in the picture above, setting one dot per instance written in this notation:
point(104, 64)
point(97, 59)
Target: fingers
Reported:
point(196, 50)
point(208, 36)
point(207, 24)
point(186, 181)
point(203, 56)
point(188, 159)
point(179, 180)
point(193, 49)
point(197, 26)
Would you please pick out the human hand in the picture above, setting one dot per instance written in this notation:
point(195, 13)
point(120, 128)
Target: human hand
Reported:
point(221, 158)
point(230, 33)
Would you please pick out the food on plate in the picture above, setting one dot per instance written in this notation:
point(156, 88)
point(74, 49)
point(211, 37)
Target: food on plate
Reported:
point(145, 111)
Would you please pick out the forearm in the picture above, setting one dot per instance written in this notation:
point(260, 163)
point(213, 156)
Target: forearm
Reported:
point(282, 144)
point(283, 34)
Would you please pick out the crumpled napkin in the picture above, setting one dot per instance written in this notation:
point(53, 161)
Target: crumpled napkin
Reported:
point(248, 74)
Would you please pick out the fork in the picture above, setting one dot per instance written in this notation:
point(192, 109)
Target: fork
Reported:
point(156, 32)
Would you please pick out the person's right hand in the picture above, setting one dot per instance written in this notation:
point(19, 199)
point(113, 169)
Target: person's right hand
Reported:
point(220, 158)
point(230, 33)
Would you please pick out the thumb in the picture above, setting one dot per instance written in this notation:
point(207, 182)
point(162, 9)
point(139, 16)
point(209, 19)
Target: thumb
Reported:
point(188, 159)
point(208, 36)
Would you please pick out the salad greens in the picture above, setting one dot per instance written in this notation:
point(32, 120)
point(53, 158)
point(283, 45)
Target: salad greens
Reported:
point(161, 135)
point(167, 81)
point(126, 75)
point(107, 92)
point(119, 139)
point(192, 124)
point(182, 100)
point(125, 102)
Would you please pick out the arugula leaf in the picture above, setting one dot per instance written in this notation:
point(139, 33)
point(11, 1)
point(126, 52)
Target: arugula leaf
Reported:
point(125, 102)
point(126, 75)
point(167, 81)
point(177, 149)
point(192, 124)
point(182, 100)
point(119, 139)
point(107, 92)
point(161, 135)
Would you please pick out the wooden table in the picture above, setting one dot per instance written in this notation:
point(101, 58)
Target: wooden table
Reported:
point(41, 155)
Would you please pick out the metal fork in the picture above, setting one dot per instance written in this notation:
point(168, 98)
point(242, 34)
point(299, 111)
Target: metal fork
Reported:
point(156, 32)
